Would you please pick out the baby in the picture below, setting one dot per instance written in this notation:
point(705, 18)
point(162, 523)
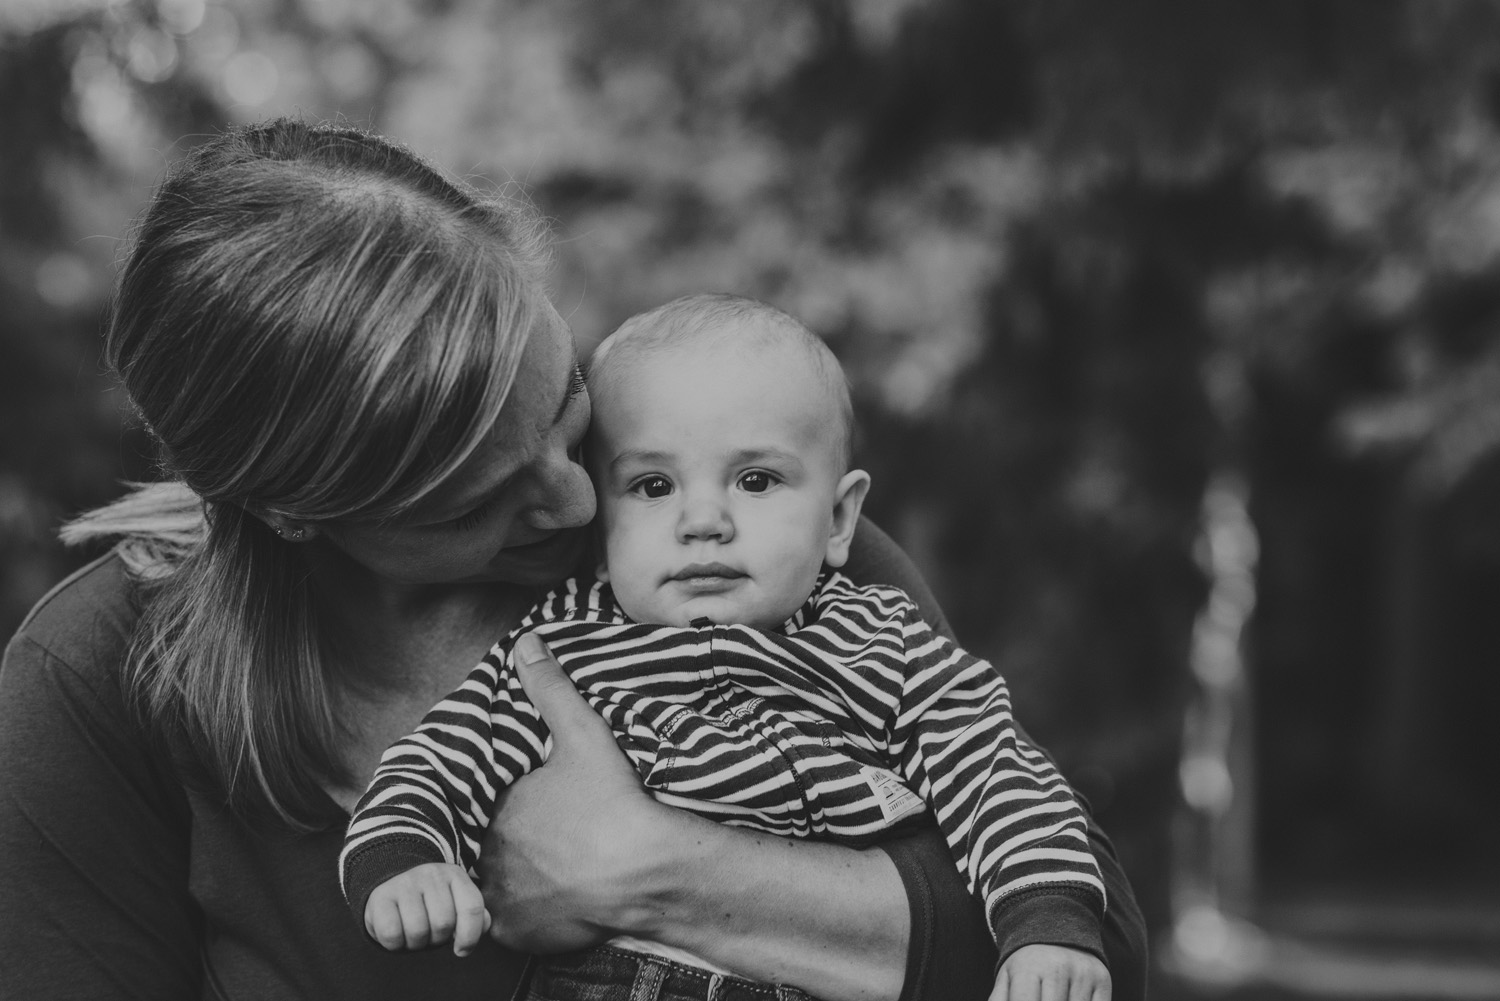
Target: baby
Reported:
point(746, 680)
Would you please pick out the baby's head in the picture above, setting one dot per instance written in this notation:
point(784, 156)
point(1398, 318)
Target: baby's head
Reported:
point(720, 451)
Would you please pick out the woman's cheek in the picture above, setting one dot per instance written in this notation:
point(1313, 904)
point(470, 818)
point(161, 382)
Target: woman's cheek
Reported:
point(448, 556)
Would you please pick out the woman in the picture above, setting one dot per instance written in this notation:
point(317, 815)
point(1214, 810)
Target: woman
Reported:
point(351, 368)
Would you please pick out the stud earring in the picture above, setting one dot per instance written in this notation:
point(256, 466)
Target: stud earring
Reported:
point(290, 534)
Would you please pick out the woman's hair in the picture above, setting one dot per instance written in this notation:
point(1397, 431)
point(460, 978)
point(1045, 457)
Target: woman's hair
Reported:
point(312, 322)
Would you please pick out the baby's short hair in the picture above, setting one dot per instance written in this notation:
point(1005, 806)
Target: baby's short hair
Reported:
point(700, 314)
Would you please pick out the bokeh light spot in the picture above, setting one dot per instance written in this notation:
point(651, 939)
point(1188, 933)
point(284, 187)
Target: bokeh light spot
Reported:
point(1206, 783)
point(250, 78)
point(64, 280)
point(181, 17)
point(152, 55)
point(349, 69)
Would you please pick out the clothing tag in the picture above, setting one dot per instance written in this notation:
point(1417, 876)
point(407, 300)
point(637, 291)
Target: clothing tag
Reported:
point(669, 721)
point(896, 801)
point(744, 710)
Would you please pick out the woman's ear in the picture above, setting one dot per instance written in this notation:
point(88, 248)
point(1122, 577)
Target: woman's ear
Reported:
point(286, 528)
point(848, 498)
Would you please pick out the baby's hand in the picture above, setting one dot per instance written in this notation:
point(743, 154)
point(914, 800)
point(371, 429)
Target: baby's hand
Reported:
point(427, 905)
point(1037, 972)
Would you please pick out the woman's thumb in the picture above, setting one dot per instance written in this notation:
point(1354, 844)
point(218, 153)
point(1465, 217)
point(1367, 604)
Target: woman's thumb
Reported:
point(562, 708)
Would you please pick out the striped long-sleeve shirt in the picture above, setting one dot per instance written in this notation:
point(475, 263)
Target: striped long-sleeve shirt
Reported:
point(851, 718)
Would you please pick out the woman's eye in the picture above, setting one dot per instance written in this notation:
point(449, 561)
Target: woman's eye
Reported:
point(756, 482)
point(652, 486)
point(473, 518)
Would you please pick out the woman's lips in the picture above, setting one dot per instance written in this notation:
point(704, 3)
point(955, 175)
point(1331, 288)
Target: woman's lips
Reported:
point(541, 543)
point(548, 547)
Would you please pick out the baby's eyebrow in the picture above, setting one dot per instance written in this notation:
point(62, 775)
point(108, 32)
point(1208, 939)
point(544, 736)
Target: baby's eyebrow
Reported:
point(639, 456)
point(746, 455)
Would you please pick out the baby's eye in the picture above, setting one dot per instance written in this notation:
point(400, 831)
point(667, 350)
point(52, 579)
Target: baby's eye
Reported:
point(757, 481)
point(652, 486)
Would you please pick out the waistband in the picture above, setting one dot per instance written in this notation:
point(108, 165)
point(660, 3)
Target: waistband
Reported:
point(606, 972)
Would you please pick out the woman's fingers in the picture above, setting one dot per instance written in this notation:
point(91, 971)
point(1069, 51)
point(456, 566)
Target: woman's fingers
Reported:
point(577, 731)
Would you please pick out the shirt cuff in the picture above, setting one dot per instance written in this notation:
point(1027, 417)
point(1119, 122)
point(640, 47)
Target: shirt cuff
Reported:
point(376, 863)
point(1049, 915)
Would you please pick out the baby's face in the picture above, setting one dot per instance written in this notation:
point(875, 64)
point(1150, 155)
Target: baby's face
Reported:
point(718, 467)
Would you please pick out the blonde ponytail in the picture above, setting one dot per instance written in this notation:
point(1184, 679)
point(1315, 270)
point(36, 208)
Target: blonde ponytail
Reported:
point(154, 526)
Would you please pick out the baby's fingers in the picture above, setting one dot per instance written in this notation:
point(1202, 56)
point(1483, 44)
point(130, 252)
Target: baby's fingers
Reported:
point(1051, 973)
point(442, 917)
point(471, 920)
point(1093, 989)
point(416, 930)
point(1089, 981)
point(383, 922)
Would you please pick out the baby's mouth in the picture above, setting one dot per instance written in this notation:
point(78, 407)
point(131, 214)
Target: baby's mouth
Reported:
point(702, 571)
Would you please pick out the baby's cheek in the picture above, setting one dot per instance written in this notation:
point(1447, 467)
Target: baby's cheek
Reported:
point(633, 594)
point(623, 558)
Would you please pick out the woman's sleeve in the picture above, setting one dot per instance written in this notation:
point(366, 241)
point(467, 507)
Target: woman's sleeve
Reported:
point(951, 954)
point(94, 833)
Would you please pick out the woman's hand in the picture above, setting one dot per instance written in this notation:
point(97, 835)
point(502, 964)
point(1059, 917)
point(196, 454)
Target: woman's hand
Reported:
point(564, 841)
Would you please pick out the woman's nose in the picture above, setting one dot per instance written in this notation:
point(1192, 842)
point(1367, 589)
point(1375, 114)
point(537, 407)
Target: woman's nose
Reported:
point(704, 517)
point(565, 497)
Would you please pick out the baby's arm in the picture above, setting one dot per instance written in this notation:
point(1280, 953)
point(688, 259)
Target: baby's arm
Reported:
point(434, 791)
point(1010, 819)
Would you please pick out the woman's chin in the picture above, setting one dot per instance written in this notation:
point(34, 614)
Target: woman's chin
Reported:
point(539, 564)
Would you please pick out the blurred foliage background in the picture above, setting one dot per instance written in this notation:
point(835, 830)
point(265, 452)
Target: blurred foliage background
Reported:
point(1171, 324)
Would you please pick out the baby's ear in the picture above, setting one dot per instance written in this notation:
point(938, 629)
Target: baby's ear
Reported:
point(848, 498)
point(594, 551)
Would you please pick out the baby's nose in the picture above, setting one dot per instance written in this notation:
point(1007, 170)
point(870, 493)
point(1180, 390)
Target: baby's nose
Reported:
point(705, 518)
